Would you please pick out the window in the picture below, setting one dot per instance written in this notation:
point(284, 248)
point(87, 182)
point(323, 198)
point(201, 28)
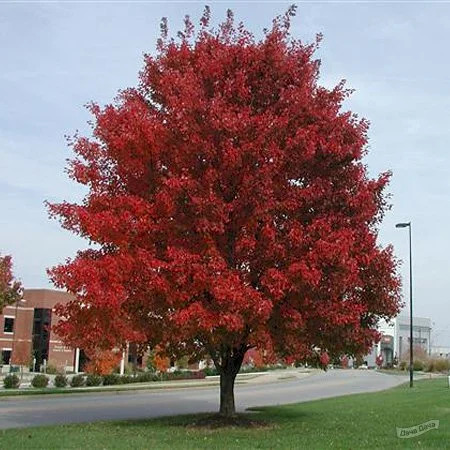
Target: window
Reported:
point(133, 356)
point(418, 340)
point(41, 334)
point(9, 325)
point(6, 356)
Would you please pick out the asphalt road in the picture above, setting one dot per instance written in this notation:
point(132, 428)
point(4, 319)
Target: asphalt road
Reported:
point(47, 410)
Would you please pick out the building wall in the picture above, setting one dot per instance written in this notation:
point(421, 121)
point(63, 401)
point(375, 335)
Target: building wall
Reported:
point(421, 334)
point(395, 337)
point(440, 351)
point(20, 341)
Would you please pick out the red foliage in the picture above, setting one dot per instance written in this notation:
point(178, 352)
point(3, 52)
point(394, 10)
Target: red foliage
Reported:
point(10, 289)
point(102, 362)
point(254, 357)
point(379, 360)
point(160, 361)
point(230, 207)
point(324, 360)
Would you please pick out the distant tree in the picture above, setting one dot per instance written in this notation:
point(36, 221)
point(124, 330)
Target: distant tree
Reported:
point(21, 354)
point(230, 207)
point(11, 289)
point(344, 362)
point(102, 362)
point(160, 362)
point(379, 361)
point(254, 358)
point(419, 353)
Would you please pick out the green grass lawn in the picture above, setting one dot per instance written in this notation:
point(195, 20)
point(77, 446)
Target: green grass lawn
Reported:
point(354, 421)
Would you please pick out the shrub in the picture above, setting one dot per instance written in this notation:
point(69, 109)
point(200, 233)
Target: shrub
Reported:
point(441, 365)
point(111, 379)
point(210, 371)
point(150, 364)
point(126, 379)
point(183, 363)
point(403, 365)
point(146, 377)
point(185, 375)
point(418, 364)
point(40, 381)
point(438, 365)
point(11, 382)
point(51, 370)
point(128, 369)
point(93, 380)
point(77, 381)
point(60, 381)
point(252, 369)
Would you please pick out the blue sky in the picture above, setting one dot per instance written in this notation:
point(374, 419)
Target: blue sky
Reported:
point(56, 57)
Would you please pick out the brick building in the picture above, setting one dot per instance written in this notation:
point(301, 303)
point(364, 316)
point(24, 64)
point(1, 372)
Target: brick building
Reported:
point(25, 335)
point(27, 340)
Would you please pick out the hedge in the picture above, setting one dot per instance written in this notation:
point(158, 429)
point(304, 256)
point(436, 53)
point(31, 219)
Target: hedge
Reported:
point(11, 382)
point(77, 381)
point(60, 381)
point(94, 380)
point(40, 381)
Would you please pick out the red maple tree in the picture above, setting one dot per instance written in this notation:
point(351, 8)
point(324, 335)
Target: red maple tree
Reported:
point(11, 289)
point(230, 207)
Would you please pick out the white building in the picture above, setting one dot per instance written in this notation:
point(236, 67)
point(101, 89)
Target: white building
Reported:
point(440, 351)
point(395, 339)
point(421, 334)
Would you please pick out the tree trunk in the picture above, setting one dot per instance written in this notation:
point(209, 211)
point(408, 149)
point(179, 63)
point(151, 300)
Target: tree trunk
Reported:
point(227, 407)
point(231, 363)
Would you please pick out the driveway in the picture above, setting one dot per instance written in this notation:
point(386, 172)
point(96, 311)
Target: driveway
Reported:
point(55, 409)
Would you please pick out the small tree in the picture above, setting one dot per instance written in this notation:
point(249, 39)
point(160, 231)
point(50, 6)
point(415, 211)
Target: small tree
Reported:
point(344, 361)
point(150, 361)
point(419, 354)
point(161, 362)
point(21, 355)
point(11, 290)
point(379, 361)
point(231, 208)
point(102, 362)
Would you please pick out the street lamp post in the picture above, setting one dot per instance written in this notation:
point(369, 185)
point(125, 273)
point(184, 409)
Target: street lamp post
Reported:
point(411, 368)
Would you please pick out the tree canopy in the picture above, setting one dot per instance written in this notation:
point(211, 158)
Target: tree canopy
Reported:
point(230, 208)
